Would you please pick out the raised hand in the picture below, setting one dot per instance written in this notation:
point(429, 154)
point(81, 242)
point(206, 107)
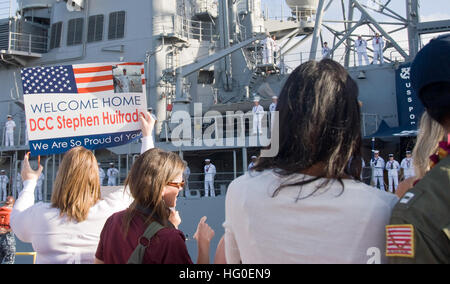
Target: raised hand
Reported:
point(27, 172)
point(147, 124)
point(204, 232)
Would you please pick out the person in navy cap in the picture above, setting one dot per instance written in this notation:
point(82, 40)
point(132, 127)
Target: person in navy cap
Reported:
point(377, 164)
point(10, 125)
point(210, 173)
point(392, 167)
point(407, 165)
point(423, 215)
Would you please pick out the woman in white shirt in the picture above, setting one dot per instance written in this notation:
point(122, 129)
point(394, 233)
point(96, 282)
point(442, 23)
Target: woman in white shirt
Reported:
point(305, 205)
point(67, 230)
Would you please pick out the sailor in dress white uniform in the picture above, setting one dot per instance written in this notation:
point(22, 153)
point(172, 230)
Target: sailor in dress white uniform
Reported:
point(258, 113)
point(112, 174)
point(210, 173)
point(393, 167)
point(3, 184)
point(10, 125)
point(407, 165)
point(377, 164)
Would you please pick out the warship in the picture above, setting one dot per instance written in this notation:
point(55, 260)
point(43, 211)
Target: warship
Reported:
point(204, 58)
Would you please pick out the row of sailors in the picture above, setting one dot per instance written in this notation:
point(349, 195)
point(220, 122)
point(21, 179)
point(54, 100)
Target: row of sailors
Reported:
point(378, 166)
point(271, 49)
point(361, 49)
point(112, 173)
point(17, 188)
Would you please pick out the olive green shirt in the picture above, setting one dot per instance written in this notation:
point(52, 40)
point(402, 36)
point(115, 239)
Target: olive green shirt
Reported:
point(427, 208)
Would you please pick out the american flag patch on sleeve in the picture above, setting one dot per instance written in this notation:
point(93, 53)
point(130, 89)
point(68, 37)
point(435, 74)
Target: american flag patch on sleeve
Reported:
point(400, 240)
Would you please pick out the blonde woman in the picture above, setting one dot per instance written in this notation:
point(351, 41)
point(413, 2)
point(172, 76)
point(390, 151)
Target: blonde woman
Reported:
point(67, 230)
point(430, 134)
point(154, 181)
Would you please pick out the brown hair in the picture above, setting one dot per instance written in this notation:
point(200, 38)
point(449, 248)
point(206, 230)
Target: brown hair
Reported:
point(146, 180)
point(77, 187)
point(321, 98)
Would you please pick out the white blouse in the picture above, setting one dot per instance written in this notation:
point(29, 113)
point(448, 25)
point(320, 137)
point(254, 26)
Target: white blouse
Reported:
point(331, 226)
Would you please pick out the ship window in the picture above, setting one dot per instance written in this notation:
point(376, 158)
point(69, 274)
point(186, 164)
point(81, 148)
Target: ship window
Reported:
point(55, 35)
point(95, 28)
point(75, 31)
point(116, 28)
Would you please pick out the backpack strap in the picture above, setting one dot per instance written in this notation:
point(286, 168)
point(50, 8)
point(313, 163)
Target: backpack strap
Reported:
point(144, 241)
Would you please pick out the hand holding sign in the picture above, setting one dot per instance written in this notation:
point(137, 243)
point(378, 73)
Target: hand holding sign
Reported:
point(27, 172)
point(147, 124)
point(80, 105)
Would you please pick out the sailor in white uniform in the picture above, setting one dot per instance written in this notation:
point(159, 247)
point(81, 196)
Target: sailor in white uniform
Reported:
point(186, 174)
point(377, 164)
point(326, 51)
point(393, 167)
point(361, 49)
point(18, 185)
point(210, 173)
point(268, 49)
point(272, 109)
point(150, 110)
point(26, 135)
point(38, 191)
point(10, 125)
point(378, 45)
point(408, 166)
point(101, 174)
point(276, 49)
point(258, 113)
point(112, 174)
point(252, 164)
point(3, 184)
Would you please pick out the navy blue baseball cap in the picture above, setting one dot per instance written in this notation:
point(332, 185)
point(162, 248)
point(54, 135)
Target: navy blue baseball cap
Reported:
point(432, 65)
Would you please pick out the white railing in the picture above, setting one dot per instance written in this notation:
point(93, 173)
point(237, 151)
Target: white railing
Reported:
point(242, 125)
point(29, 43)
point(183, 27)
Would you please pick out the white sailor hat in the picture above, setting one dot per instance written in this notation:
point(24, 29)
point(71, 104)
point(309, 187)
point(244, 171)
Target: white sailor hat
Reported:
point(2, 171)
point(111, 164)
point(207, 160)
point(275, 97)
point(98, 163)
point(376, 152)
point(391, 155)
point(256, 99)
point(9, 116)
point(254, 157)
point(408, 152)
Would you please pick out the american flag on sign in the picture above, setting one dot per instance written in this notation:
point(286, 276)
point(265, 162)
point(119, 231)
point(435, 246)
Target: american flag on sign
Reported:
point(81, 78)
point(400, 240)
